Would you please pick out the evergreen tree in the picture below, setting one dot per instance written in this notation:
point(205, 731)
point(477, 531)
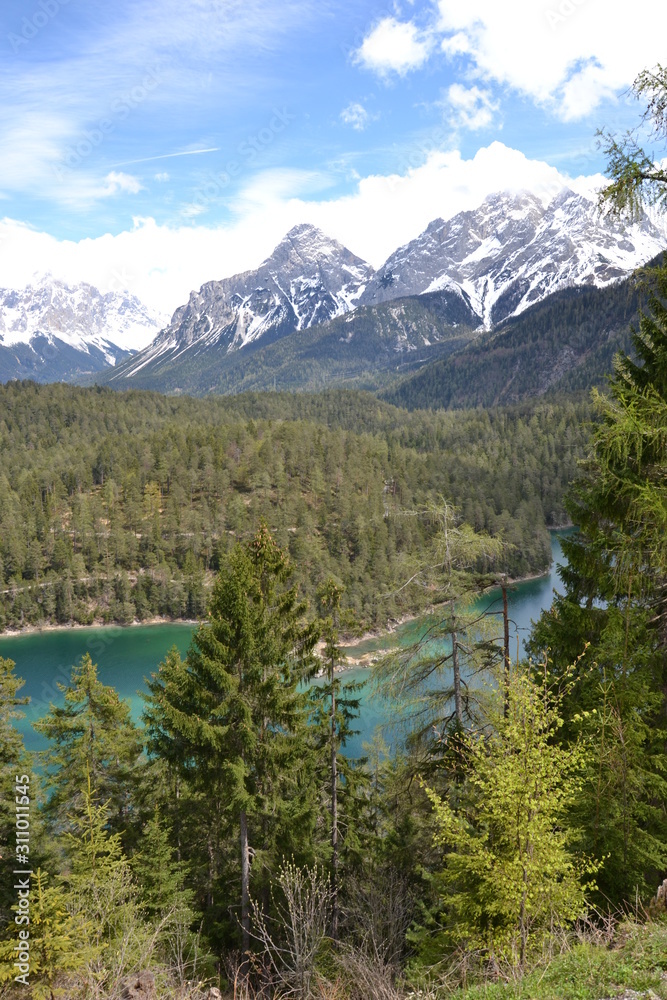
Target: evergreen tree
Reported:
point(427, 677)
point(94, 739)
point(12, 762)
point(615, 603)
point(59, 943)
point(101, 891)
point(231, 714)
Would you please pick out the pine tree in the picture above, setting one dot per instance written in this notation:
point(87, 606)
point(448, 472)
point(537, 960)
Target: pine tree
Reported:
point(231, 714)
point(94, 739)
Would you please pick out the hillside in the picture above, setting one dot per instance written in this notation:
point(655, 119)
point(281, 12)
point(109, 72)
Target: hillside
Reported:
point(116, 506)
point(363, 349)
point(565, 343)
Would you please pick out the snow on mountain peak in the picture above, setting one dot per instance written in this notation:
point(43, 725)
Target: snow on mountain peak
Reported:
point(514, 250)
point(78, 315)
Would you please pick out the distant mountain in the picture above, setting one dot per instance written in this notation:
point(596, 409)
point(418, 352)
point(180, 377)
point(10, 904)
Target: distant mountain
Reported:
point(52, 331)
point(308, 279)
point(513, 252)
point(565, 343)
point(330, 311)
point(365, 348)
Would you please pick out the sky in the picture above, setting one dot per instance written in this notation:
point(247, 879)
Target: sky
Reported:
point(153, 145)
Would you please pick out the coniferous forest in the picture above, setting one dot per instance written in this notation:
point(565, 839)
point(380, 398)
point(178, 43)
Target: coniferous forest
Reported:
point(511, 844)
point(116, 507)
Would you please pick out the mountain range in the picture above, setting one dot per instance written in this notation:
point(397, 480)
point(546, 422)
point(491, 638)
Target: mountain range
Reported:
point(52, 331)
point(314, 312)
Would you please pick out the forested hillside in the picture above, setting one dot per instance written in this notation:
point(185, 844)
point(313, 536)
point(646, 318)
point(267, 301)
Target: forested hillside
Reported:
point(565, 343)
point(116, 506)
point(363, 349)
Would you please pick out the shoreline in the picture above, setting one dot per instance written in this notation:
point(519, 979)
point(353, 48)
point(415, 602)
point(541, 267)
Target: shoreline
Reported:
point(347, 643)
point(16, 633)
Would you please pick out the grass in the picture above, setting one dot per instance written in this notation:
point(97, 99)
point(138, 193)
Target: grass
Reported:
point(636, 961)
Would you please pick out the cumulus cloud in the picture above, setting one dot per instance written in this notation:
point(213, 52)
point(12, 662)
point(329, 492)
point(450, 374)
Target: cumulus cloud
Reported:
point(162, 264)
point(394, 47)
point(568, 54)
point(356, 116)
point(470, 107)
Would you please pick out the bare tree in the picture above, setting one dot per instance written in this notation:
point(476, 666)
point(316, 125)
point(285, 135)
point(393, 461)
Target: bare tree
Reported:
point(292, 938)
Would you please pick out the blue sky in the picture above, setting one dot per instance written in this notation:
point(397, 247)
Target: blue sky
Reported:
point(138, 133)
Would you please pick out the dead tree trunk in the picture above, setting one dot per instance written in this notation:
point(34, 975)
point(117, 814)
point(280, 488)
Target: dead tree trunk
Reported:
point(506, 648)
point(245, 889)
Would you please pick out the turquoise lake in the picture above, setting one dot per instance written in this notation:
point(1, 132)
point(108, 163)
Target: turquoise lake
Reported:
point(127, 655)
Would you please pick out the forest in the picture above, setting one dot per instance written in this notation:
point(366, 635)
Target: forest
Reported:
point(117, 507)
point(511, 845)
point(226, 845)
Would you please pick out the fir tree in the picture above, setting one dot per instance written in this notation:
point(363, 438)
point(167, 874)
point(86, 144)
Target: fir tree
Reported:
point(60, 943)
point(93, 739)
point(510, 875)
point(231, 714)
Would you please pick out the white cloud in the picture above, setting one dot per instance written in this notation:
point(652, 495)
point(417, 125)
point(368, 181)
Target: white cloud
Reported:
point(118, 181)
point(162, 264)
point(356, 115)
point(394, 47)
point(470, 107)
point(162, 177)
point(569, 53)
point(130, 61)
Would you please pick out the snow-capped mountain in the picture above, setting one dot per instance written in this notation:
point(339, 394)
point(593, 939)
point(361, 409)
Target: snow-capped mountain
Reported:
point(513, 251)
point(308, 279)
point(50, 326)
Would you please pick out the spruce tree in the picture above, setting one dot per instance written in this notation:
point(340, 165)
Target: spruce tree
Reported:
point(230, 715)
point(615, 604)
point(93, 739)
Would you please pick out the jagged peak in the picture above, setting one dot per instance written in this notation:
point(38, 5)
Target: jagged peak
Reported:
point(307, 240)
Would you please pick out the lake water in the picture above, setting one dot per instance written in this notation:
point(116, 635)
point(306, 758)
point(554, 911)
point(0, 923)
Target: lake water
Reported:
point(126, 656)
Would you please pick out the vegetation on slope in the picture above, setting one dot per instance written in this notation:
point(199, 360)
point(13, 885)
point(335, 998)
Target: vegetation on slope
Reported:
point(121, 506)
point(363, 349)
point(564, 344)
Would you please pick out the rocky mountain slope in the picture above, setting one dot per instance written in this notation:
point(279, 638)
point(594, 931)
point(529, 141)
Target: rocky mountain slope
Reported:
point(52, 331)
point(365, 348)
point(513, 252)
point(308, 279)
point(485, 266)
point(563, 344)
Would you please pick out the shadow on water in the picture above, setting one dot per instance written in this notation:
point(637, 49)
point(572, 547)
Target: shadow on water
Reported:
point(126, 656)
